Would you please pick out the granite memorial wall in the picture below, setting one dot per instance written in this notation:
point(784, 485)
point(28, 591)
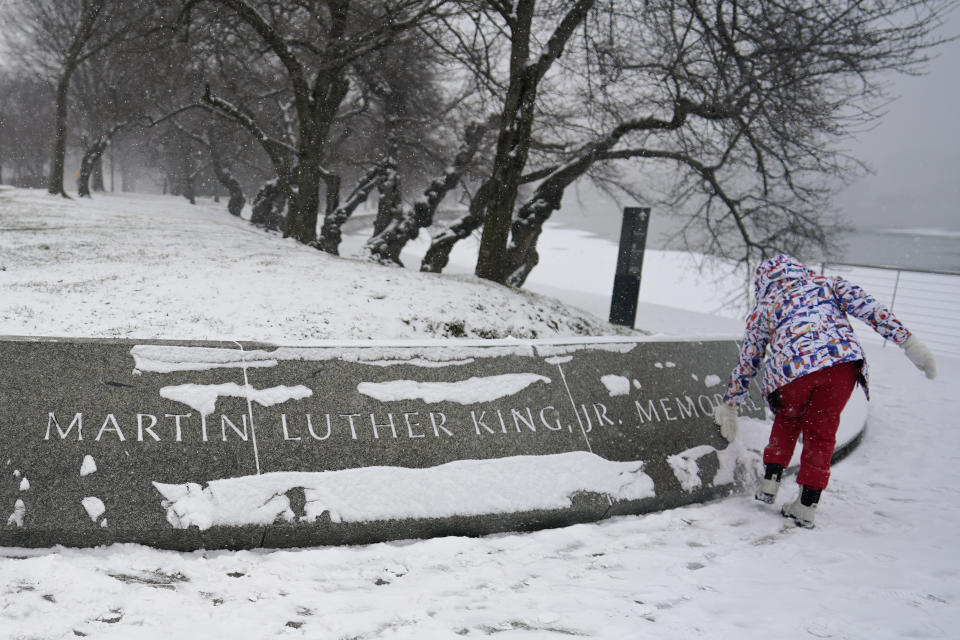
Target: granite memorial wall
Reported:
point(230, 445)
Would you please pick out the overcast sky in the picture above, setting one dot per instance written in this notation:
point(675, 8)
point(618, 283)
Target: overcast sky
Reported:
point(915, 151)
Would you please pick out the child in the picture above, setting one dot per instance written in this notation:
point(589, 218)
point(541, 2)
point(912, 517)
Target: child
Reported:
point(814, 363)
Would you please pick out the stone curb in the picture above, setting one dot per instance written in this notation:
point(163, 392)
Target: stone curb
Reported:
point(188, 445)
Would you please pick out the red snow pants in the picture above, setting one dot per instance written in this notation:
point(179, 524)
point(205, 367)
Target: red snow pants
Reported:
point(811, 405)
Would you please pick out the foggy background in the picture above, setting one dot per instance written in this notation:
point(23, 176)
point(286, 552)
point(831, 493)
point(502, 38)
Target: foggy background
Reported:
point(905, 213)
point(914, 152)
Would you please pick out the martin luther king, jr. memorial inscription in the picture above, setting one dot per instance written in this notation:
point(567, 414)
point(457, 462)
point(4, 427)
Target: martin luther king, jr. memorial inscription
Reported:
point(189, 445)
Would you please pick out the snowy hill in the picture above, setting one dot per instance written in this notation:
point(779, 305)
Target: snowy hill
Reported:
point(882, 562)
point(155, 267)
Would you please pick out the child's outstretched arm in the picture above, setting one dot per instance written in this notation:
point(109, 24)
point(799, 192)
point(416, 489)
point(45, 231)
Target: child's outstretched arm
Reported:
point(861, 305)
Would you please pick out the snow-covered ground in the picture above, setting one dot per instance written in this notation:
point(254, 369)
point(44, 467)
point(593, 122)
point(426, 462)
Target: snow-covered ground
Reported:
point(882, 562)
point(153, 266)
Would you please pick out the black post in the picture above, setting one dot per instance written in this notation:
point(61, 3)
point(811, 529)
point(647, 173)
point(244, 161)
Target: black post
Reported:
point(626, 282)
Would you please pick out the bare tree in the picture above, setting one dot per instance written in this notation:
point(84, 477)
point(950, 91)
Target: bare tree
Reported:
point(92, 15)
point(735, 109)
point(272, 198)
point(766, 93)
point(209, 139)
point(493, 37)
point(57, 36)
point(517, 120)
point(116, 89)
point(315, 42)
point(405, 224)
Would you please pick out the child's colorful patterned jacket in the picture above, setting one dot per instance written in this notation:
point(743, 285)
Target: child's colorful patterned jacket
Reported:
point(802, 317)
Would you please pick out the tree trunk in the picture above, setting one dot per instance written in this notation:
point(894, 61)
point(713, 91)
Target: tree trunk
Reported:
point(330, 232)
point(269, 205)
point(316, 113)
point(390, 198)
point(225, 178)
point(438, 255)
point(189, 179)
point(387, 245)
point(301, 219)
point(513, 143)
point(273, 201)
point(85, 28)
point(96, 179)
point(91, 156)
point(521, 255)
point(513, 147)
point(59, 151)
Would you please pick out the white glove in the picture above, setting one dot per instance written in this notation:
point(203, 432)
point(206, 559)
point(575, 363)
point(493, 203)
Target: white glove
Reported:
point(725, 417)
point(920, 356)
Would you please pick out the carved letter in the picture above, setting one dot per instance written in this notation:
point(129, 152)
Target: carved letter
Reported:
point(77, 420)
point(411, 425)
point(503, 425)
point(528, 421)
point(310, 428)
point(376, 433)
point(110, 419)
point(589, 427)
point(438, 427)
point(224, 421)
point(555, 426)
point(706, 410)
point(478, 422)
point(647, 415)
point(687, 409)
point(601, 410)
point(350, 417)
point(141, 428)
point(176, 418)
point(283, 423)
point(667, 410)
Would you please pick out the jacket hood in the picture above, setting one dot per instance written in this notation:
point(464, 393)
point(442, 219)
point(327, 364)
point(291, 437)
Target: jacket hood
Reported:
point(779, 269)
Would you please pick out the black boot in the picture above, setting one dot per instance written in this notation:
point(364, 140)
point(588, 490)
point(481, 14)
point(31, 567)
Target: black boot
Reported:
point(770, 483)
point(803, 510)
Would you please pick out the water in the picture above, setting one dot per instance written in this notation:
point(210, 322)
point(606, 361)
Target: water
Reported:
point(924, 249)
point(919, 249)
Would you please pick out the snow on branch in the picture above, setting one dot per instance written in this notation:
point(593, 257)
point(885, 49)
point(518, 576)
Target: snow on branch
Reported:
point(278, 151)
point(333, 221)
point(387, 245)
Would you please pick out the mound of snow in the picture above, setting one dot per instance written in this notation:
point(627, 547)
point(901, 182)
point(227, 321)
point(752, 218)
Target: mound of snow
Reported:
point(147, 266)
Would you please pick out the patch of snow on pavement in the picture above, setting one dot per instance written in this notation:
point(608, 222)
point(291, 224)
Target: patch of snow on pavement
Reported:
point(616, 385)
point(88, 466)
point(469, 391)
point(510, 485)
point(203, 397)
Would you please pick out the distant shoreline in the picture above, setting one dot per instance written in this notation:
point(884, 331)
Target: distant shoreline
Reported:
point(918, 248)
point(917, 231)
